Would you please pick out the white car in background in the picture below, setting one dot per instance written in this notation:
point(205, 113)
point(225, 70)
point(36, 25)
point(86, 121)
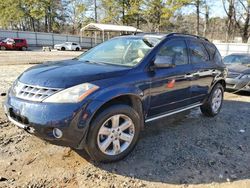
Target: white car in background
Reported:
point(68, 46)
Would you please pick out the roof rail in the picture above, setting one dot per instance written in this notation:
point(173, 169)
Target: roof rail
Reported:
point(182, 34)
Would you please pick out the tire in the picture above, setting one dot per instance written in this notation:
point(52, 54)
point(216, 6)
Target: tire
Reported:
point(95, 139)
point(2, 48)
point(216, 96)
point(77, 49)
point(63, 49)
point(24, 48)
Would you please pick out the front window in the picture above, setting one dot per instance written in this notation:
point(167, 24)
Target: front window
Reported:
point(234, 59)
point(119, 51)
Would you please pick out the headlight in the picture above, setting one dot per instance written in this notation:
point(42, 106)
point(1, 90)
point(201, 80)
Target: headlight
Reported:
point(246, 76)
point(73, 94)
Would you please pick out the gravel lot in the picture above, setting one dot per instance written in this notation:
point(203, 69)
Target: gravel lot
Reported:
point(31, 57)
point(189, 150)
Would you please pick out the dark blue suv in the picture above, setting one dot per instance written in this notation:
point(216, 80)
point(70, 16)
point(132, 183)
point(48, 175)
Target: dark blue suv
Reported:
point(101, 100)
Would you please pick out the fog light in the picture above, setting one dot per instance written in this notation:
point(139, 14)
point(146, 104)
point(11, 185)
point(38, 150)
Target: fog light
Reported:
point(57, 133)
point(31, 130)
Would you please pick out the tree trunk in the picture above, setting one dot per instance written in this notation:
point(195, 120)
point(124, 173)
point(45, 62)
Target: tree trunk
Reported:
point(198, 17)
point(95, 4)
point(230, 21)
point(245, 34)
point(46, 23)
point(123, 12)
point(206, 22)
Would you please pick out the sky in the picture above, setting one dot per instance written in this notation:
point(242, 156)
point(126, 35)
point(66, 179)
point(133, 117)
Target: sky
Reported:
point(216, 9)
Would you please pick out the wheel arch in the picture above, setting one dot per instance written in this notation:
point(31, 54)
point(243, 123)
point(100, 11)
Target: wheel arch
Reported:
point(131, 100)
point(221, 81)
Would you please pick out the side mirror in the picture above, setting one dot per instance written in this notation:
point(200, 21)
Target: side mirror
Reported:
point(163, 62)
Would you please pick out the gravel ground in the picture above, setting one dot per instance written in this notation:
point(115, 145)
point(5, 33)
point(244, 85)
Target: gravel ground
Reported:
point(188, 150)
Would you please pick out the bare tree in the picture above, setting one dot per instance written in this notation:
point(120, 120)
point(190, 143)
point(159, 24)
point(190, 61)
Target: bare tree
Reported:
point(242, 18)
point(230, 11)
point(206, 25)
point(95, 9)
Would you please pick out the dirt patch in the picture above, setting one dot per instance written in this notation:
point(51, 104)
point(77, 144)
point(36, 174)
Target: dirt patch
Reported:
point(188, 150)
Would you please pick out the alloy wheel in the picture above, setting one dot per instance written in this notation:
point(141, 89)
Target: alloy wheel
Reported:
point(116, 134)
point(217, 100)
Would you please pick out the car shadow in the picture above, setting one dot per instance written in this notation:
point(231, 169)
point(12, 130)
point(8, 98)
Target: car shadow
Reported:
point(190, 148)
point(241, 93)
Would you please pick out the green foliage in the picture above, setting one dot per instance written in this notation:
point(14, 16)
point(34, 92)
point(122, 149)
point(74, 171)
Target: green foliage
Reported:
point(68, 16)
point(11, 12)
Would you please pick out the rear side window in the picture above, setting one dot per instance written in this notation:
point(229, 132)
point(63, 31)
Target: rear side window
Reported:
point(198, 53)
point(217, 57)
point(175, 49)
point(18, 40)
point(211, 50)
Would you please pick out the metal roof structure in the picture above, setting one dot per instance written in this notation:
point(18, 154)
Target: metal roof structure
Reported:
point(97, 27)
point(109, 28)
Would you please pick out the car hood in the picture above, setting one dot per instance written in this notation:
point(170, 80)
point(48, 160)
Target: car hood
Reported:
point(64, 74)
point(239, 68)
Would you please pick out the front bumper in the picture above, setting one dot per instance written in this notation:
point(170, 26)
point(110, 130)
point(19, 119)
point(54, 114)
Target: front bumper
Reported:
point(238, 84)
point(40, 119)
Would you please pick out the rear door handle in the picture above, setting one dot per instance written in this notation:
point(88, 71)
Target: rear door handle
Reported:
point(189, 75)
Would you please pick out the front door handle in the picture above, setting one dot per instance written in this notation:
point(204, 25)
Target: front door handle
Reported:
point(214, 72)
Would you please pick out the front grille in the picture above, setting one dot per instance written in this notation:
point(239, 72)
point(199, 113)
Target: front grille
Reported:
point(32, 93)
point(233, 75)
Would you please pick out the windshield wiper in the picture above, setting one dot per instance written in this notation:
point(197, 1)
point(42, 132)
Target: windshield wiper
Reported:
point(93, 62)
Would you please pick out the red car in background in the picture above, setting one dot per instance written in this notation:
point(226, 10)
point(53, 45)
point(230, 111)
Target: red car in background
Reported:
point(13, 44)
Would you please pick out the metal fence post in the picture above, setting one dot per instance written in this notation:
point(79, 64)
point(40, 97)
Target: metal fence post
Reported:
point(248, 49)
point(53, 41)
point(227, 49)
point(36, 39)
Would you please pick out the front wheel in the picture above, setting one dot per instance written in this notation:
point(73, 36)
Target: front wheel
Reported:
point(113, 133)
point(2, 48)
point(213, 104)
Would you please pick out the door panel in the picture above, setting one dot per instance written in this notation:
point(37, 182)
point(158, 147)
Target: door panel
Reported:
point(170, 87)
point(202, 71)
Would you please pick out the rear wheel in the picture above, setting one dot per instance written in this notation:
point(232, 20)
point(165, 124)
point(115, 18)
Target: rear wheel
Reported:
point(214, 102)
point(24, 48)
point(77, 49)
point(2, 48)
point(63, 49)
point(113, 133)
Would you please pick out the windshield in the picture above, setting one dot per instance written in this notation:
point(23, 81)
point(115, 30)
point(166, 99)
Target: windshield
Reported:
point(119, 51)
point(233, 59)
point(5, 40)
